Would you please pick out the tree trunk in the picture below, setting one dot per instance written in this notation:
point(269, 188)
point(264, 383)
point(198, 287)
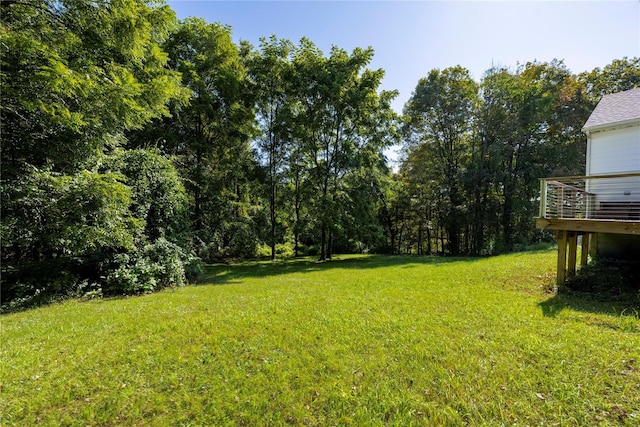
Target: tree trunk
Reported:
point(323, 242)
point(296, 227)
point(272, 206)
point(197, 197)
point(507, 218)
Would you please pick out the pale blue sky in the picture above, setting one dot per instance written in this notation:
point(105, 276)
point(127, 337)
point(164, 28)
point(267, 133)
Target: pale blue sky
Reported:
point(412, 37)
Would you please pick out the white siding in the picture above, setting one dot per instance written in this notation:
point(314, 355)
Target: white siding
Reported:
point(611, 152)
point(614, 151)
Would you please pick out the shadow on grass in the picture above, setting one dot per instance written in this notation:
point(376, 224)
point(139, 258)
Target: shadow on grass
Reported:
point(616, 315)
point(219, 274)
point(608, 287)
point(586, 303)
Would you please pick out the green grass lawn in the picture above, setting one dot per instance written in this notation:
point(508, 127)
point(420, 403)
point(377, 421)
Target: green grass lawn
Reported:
point(357, 341)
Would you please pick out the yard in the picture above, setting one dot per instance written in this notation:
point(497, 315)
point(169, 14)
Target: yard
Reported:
point(361, 340)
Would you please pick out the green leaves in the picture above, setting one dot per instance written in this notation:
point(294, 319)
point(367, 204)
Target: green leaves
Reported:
point(69, 214)
point(439, 129)
point(342, 123)
point(620, 75)
point(158, 196)
point(117, 229)
point(74, 72)
point(475, 152)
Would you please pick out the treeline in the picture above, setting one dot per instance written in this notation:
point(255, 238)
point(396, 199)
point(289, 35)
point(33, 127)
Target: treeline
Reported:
point(474, 153)
point(135, 146)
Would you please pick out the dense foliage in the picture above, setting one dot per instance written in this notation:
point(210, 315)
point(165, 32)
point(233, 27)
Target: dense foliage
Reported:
point(474, 152)
point(134, 145)
point(76, 211)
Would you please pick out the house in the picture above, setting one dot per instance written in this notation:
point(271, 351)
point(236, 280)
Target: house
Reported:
point(603, 206)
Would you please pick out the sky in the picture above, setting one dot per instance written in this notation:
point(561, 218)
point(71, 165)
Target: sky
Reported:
point(410, 38)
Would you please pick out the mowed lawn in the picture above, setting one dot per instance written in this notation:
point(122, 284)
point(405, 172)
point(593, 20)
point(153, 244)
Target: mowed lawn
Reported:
point(362, 340)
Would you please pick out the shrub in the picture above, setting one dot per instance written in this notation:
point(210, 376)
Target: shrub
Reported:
point(263, 251)
point(120, 228)
point(158, 265)
point(608, 279)
point(282, 251)
point(47, 214)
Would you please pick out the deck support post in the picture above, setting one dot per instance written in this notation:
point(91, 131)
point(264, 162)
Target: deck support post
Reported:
point(562, 258)
point(573, 253)
point(584, 254)
point(593, 245)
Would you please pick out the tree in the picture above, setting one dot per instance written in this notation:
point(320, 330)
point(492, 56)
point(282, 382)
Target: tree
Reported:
point(271, 74)
point(208, 136)
point(420, 201)
point(161, 256)
point(342, 123)
point(158, 196)
point(440, 113)
point(75, 74)
point(622, 74)
point(529, 119)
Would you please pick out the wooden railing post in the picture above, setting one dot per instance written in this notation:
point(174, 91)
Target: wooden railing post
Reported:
point(543, 198)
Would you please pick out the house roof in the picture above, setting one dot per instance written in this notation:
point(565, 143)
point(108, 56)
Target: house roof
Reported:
point(617, 108)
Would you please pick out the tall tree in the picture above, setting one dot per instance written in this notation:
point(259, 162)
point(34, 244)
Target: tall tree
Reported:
point(440, 113)
point(75, 74)
point(271, 73)
point(209, 135)
point(526, 121)
point(343, 123)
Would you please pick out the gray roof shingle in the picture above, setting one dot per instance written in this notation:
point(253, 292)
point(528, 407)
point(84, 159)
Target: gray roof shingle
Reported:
point(616, 108)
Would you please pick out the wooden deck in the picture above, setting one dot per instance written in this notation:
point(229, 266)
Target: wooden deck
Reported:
point(567, 233)
point(586, 206)
point(590, 225)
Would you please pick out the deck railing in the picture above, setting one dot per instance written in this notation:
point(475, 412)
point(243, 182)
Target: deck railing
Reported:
point(614, 197)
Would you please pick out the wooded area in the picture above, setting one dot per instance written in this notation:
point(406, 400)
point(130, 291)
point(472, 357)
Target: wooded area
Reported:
point(136, 146)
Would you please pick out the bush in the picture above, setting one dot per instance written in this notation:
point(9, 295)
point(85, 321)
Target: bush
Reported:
point(608, 280)
point(120, 228)
point(158, 265)
point(263, 251)
point(282, 251)
point(47, 214)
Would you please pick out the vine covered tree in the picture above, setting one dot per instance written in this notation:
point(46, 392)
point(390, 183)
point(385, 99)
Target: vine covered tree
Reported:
point(208, 135)
point(76, 75)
